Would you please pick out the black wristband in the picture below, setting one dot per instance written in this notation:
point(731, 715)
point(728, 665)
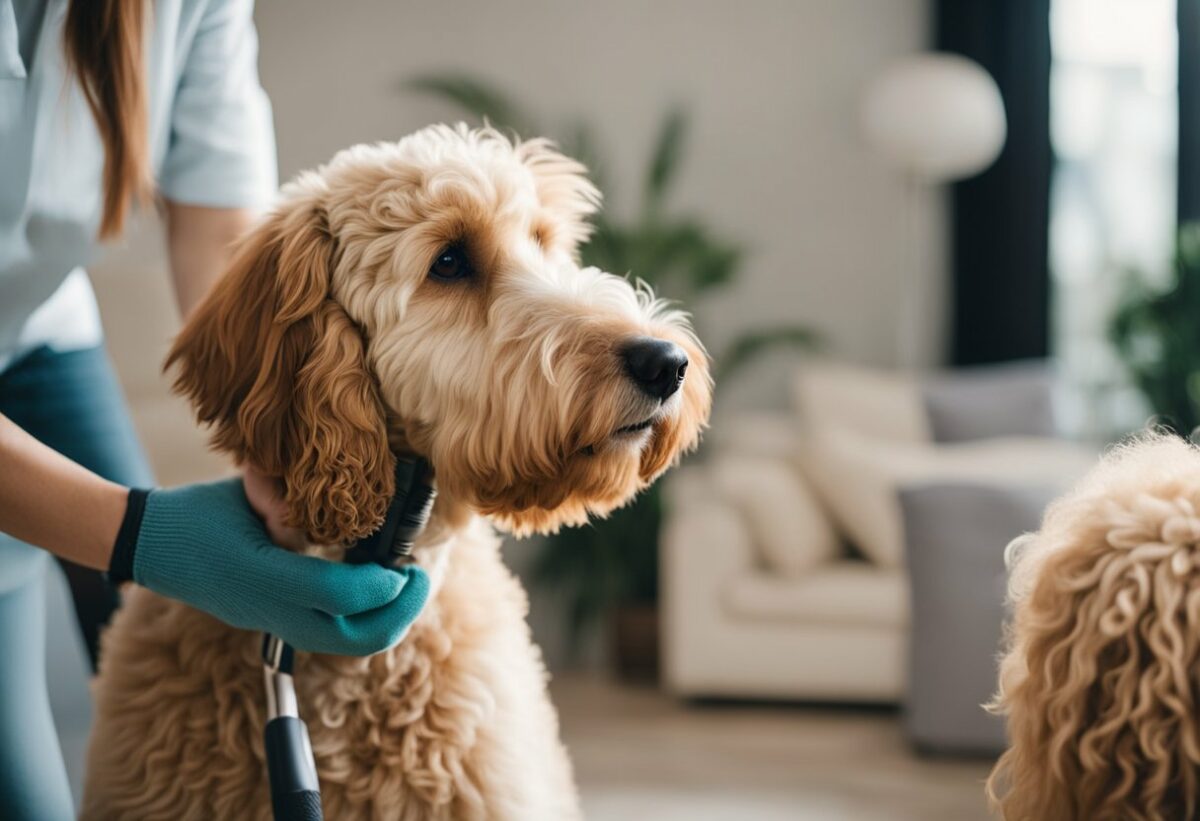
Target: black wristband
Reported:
point(120, 566)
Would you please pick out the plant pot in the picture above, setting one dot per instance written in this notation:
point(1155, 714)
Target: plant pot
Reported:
point(633, 641)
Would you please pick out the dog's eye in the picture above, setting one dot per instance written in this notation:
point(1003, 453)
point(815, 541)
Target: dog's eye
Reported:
point(450, 264)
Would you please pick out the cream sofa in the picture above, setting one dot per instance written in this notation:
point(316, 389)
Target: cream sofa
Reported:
point(784, 563)
point(735, 623)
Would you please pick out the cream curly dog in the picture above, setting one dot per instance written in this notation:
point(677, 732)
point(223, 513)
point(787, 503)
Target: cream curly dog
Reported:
point(1101, 681)
point(419, 297)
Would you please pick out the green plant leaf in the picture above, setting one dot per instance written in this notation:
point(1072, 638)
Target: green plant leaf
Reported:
point(608, 248)
point(1156, 335)
point(664, 162)
point(749, 345)
point(478, 98)
point(716, 267)
point(580, 143)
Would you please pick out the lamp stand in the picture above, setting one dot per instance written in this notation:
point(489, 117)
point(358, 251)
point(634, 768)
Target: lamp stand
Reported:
point(912, 319)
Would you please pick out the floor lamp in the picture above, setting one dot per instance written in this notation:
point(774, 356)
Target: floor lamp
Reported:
point(936, 118)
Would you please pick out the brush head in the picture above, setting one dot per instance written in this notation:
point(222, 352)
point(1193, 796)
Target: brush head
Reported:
point(406, 517)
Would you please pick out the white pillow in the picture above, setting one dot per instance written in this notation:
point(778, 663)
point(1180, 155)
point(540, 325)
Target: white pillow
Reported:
point(859, 479)
point(790, 530)
point(870, 402)
point(772, 435)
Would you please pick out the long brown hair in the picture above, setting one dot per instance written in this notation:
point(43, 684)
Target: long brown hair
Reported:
point(105, 47)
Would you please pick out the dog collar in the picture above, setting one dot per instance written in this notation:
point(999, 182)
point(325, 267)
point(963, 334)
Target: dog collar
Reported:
point(407, 515)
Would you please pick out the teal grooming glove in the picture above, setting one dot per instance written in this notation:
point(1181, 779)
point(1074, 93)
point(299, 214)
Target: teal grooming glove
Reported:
point(204, 545)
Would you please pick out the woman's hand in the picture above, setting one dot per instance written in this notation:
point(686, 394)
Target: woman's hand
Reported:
point(204, 545)
point(265, 495)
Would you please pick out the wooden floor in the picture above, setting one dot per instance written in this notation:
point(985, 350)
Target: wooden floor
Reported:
point(640, 754)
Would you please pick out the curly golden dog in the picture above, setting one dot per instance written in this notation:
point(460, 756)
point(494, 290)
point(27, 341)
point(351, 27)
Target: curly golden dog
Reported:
point(1102, 676)
point(419, 297)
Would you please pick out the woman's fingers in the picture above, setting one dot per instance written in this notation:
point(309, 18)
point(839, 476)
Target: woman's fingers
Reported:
point(265, 495)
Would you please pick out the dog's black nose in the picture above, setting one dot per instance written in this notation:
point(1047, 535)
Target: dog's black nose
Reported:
point(657, 366)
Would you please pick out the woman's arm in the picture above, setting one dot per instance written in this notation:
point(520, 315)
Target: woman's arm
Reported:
point(49, 501)
point(199, 243)
point(201, 544)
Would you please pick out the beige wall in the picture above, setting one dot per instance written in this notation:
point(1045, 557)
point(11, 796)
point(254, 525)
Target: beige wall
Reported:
point(773, 85)
point(776, 161)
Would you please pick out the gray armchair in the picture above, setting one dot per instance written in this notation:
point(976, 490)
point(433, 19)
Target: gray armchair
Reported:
point(955, 537)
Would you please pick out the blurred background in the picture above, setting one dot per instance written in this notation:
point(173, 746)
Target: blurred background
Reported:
point(939, 251)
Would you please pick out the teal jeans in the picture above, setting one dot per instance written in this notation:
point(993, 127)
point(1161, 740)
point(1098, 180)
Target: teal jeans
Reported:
point(72, 402)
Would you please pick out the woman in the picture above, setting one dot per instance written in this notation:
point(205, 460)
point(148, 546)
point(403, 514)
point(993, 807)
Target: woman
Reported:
point(102, 104)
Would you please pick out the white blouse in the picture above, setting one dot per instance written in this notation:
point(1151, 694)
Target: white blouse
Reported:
point(211, 140)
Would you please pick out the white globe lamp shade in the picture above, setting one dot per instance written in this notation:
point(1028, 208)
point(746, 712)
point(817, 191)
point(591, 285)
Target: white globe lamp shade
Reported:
point(938, 117)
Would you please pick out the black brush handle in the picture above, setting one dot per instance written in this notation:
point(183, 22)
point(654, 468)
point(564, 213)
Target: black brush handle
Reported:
point(298, 806)
point(295, 793)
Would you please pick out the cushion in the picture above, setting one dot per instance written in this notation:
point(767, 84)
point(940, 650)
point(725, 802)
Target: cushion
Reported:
point(791, 532)
point(870, 402)
point(1013, 399)
point(956, 535)
point(859, 479)
point(841, 594)
point(755, 434)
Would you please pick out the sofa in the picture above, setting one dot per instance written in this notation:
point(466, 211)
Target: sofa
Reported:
point(794, 548)
point(750, 617)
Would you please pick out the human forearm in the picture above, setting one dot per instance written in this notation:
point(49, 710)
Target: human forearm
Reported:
point(49, 501)
point(199, 243)
point(203, 545)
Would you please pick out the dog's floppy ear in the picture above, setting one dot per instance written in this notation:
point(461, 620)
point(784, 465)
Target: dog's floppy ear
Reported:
point(278, 370)
point(568, 198)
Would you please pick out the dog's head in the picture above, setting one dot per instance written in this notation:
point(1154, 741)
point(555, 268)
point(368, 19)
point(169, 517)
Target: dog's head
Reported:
point(1101, 677)
point(428, 292)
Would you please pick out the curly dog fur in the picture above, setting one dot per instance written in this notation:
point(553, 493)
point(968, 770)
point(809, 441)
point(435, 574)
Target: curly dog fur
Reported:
point(325, 351)
point(1102, 675)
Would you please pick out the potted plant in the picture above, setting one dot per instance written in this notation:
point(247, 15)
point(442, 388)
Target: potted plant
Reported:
point(1156, 332)
point(609, 569)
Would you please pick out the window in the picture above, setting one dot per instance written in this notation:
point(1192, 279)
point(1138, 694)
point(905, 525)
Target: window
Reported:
point(1113, 126)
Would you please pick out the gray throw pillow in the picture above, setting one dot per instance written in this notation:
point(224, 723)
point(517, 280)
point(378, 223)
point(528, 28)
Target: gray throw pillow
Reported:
point(955, 535)
point(1012, 399)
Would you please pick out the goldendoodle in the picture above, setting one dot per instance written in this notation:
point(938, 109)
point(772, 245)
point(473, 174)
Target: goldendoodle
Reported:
point(1101, 679)
point(422, 297)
